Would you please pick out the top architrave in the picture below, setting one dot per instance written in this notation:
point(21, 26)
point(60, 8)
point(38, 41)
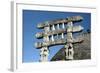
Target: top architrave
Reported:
point(66, 20)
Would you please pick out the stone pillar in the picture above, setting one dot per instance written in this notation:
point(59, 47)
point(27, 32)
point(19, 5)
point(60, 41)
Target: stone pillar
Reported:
point(53, 27)
point(52, 37)
point(62, 34)
point(63, 25)
point(70, 51)
point(69, 47)
point(57, 26)
point(44, 52)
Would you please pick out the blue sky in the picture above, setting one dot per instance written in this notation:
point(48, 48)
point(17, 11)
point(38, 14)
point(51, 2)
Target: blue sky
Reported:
point(30, 20)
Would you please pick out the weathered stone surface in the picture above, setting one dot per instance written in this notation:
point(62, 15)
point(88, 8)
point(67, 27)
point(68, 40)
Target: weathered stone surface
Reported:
point(52, 32)
point(55, 34)
point(66, 20)
point(57, 42)
point(81, 51)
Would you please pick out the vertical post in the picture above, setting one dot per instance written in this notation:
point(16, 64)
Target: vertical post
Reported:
point(70, 51)
point(53, 27)
point(44, 52)
point(63, 28)
point(58, 29)
point(62, 35)
point(69, 47)
point(63, 25)
point(57, 26)
point(52, 38)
